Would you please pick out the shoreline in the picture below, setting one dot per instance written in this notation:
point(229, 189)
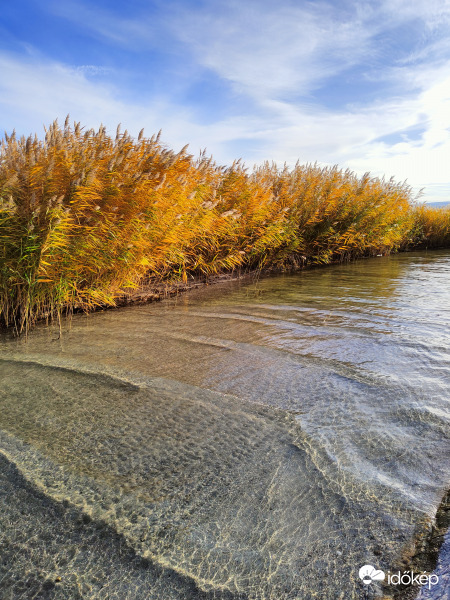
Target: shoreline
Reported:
point(157, 291)
point(426, 552)
point(154, 290)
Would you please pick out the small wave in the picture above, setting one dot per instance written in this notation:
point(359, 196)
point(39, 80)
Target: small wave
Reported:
point(72, 368)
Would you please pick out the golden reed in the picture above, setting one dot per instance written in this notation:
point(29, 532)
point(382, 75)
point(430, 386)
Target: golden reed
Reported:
point(85, 217)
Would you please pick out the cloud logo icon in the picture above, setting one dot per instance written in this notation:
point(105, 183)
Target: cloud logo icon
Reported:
point(368, 574)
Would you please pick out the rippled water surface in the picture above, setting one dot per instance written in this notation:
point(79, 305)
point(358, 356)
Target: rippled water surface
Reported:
point(256, 440)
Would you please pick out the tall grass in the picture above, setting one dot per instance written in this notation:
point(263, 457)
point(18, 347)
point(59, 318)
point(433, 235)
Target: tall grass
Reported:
point(86, 217)
point(430, 229)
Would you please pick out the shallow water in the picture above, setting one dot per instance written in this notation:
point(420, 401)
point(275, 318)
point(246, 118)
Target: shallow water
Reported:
point(255, 440)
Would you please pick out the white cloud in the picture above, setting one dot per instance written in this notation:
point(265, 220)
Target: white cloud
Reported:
point(93, 70)
point(269, 50)
point(424, 163)
point(433, 13)
point(279, 55)
point(34, 91)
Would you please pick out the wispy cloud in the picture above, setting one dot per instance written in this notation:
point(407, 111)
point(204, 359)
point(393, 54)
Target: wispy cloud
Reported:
point(119, 28)
point(268, 50)
point(35, 91)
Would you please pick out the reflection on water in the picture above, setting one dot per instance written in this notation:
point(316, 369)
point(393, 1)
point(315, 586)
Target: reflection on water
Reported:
point(257, 440)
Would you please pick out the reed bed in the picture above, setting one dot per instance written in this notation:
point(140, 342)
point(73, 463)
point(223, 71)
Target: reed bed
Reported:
point(431, 227)
point(86, 217)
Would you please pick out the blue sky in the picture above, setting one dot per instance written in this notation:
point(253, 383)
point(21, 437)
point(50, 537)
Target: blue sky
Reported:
point(363, 84)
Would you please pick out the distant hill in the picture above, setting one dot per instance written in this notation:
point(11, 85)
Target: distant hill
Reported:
point(438, 204)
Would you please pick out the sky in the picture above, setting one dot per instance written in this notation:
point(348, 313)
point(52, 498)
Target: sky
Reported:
point(363, 84)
